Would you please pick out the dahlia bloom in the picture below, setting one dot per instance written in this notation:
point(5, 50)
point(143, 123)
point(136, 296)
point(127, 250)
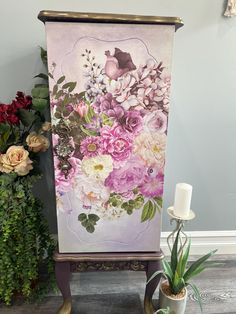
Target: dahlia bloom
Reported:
point(91, 146)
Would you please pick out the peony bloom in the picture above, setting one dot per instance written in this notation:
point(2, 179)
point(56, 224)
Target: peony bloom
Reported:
point(37, 143)
point(91, 146)
point(98, 167)
point(155, 121)
point(152, 185)
point(91, 193)
point(151, 148)
point(16, 159)
point(118, 64)
point(128, 177)
point(65, 183)
point(116, 142)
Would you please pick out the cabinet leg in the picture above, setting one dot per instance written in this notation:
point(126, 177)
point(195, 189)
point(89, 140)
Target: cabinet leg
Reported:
point(62, 270)
point(152, 267)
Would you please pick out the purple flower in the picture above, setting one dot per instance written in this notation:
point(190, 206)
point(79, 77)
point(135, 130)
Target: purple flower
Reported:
point(152, 185)
point(118, 64)
point(116, 142)
point(65, 183)
point(104, 103)
point(132, 121)
point(127, 177)
point(91, 146)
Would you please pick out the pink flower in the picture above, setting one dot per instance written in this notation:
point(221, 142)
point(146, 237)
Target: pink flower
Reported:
point(81, 108)
point(152, 185)
point(116, 142)
point(155, 121)
point(65, 183)
point(127, 177)
point(91, 146)
point(118, 64)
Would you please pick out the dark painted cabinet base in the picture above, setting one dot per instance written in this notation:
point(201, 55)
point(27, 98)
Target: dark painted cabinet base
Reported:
point(67, 263)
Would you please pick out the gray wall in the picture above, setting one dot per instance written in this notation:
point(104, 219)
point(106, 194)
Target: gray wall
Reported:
point(202, 129)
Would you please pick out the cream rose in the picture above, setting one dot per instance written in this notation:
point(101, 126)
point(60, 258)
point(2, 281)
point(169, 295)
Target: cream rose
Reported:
point(24, 167)
point(5, 167)
point(46, 126)
point(16, 159)
point(37, 143)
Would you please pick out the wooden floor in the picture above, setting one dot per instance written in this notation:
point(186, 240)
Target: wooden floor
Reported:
point(122, 292)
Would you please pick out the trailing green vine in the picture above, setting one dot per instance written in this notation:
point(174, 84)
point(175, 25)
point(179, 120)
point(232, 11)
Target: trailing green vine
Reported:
point(25, 243)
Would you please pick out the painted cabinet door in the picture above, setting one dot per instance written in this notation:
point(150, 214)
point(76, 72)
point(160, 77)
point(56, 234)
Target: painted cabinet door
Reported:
point(109, 89)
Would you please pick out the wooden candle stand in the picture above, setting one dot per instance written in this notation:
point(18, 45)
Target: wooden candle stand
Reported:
point(69, 263)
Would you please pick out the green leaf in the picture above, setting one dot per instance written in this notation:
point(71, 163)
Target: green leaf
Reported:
point(190, 272)
point(197, 295)
point(71, 86)
point(82, 217)
point(40, 92)
point(59, 94)
point(159, 201)
point(26, 117)
point(174, 253)
point(159, 272)
point(55, 89)
point(61, 79)
point(39, 104)
point(44, 57)
point(90, 228)
point(93, 217)
point(167, 269)
point(87, 132)
point(185, 259)
point(42, 76)
point(4, 127)
point(147, 212)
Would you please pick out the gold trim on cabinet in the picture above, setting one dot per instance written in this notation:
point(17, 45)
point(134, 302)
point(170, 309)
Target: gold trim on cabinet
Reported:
point(61, 16)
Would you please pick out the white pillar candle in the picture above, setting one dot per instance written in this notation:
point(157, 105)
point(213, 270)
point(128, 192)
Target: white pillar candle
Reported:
point(183, 195)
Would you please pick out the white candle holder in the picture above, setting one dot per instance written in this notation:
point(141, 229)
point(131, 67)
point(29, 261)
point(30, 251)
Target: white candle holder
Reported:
point(180, 221)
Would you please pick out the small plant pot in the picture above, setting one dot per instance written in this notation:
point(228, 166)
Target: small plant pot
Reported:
point(177, 304)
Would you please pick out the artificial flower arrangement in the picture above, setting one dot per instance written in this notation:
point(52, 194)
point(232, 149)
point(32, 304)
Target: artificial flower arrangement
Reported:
point(109, 140)
point(25, 243)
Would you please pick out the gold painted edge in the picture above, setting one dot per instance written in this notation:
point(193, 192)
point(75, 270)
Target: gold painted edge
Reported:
point(63, 16)
point(65, 257)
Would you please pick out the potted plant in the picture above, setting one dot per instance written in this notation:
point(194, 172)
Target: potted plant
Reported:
point(25, 242)
point(173, 289)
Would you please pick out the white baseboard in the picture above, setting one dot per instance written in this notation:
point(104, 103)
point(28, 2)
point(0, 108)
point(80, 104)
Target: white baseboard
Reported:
point(205, 241)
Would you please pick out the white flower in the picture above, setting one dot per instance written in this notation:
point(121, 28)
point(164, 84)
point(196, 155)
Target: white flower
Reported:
point(91, 192)
point(98, 167)
point(151, 148)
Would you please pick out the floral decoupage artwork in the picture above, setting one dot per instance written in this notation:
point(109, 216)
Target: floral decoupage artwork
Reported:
point(109, 89)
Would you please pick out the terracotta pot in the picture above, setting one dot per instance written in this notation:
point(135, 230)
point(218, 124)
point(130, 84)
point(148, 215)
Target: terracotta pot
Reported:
point(177, 306)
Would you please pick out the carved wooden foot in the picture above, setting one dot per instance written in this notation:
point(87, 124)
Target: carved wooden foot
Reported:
point(152, 267)
point(62, 270)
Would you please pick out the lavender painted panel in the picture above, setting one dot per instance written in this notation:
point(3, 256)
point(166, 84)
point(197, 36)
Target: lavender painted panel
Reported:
point(109, 90)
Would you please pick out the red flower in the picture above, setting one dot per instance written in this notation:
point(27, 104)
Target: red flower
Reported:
point(13, 119)
point(21, 101)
